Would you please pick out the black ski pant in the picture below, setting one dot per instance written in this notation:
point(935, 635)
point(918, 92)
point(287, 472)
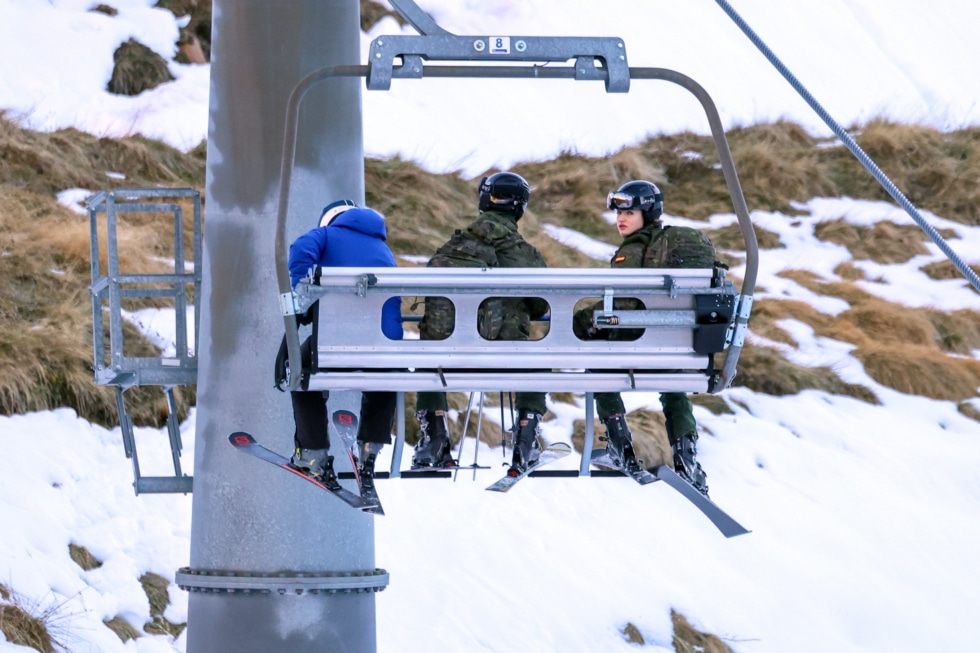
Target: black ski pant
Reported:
point(310, 415)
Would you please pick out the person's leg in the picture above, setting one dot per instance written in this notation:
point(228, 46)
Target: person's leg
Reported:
point(311, 436)
point(374, 431)
point(682, 432)
point(619, 440)
point(310, 416)
point(377, 417)
point(531, 407)
point(433, 449)
point(531, 401)
point(431, 401)
point(608, 404)
point(679, 415)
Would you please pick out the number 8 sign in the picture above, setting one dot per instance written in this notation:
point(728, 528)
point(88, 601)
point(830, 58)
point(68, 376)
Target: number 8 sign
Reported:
point(499, 45)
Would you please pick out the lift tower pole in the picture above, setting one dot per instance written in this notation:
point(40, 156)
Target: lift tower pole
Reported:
point(275, 565)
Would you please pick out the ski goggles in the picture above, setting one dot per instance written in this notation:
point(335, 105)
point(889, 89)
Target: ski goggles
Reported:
point(621, 201)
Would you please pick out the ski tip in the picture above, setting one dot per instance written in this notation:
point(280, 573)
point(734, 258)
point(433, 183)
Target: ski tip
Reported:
point(561, 447)
point(241, 438)
point(344, 418)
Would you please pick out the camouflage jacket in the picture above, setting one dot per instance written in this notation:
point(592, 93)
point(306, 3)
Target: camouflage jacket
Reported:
point(491, 241)
point(650, 247)
point(665, 247)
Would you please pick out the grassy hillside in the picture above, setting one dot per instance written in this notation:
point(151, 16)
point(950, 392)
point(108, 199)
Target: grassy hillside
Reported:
point(44, 271)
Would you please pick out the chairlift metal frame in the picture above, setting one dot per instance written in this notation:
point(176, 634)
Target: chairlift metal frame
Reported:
point(596, 58)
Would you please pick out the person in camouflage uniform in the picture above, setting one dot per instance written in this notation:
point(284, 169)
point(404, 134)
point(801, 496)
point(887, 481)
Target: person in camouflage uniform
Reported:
point(648, 244)
point(491, 241)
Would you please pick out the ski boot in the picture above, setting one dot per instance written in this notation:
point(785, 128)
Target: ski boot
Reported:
point(367, 455)
point(434, 448)
point(527, 449)
point(686, 464)
point(619, 443)
point(315, 463)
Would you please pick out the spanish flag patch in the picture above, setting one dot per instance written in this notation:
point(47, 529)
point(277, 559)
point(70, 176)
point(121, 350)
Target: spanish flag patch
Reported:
point(619, 259)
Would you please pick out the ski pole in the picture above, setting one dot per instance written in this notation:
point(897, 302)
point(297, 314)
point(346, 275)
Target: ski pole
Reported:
point(462, 438)
point(503, 440)
point(479, 427)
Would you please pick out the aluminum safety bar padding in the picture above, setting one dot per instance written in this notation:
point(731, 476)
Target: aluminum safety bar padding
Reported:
point(522, 381)
point(353, 353)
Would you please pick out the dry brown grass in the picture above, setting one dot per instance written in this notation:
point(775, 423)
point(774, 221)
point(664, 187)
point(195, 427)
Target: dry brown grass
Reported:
point(969, 410)
point(372, 12)
point(885, 242)
point(633, 635)
point(194, 44)
point(37, 624)
point(765, 370)
point(777, 163)
point(25, 629)
point(904, 348)
point(874, 320)
point(137, 69)
point(47, 163)
point(766, 312)
point(715, 404)
point(942, 270)
point(957, 331)
point(812, 281)
point(46, 347)
point(83, 557)
point(921, 370)
point(122, 628)
point(688, 639)
point(935, 170)
point(45, 309)
point(155, 587)
point(730, 238)
point(850, 272)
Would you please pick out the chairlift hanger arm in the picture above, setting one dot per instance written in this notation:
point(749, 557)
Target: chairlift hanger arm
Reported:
point(609, 52)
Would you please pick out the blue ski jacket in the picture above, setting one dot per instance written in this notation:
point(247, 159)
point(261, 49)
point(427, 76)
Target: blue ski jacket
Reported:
point(355, 238)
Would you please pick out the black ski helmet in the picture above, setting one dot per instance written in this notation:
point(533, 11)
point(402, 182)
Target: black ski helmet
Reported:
point(506, 192)
point(641, 195)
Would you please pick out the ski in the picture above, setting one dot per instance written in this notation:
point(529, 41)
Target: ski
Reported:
point(244, 442)
point(722, 521)
point(346, 424)
point(640, 475)
point(549, 455)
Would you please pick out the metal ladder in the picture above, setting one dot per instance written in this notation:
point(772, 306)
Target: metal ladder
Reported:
point(109, 289)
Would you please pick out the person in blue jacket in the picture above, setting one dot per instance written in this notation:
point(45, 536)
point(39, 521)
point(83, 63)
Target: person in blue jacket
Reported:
point(346, 236)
